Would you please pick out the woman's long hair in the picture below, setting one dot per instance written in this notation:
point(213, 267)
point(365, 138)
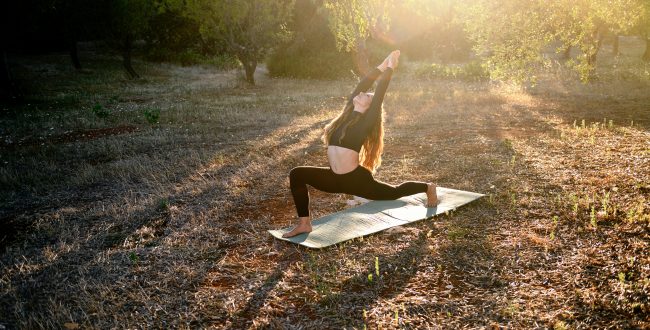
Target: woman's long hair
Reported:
point(373, 146)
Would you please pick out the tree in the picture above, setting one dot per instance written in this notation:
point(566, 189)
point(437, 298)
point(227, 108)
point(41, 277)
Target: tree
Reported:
point(248, 28)
point(419, 27)
point(353, 22)
point(311, 51)
point(510, 34)
point(644, 28)
point(128, 21)
point(585, 23)
point(171, 34)
point(430, 28)
point(78, 20)
point(513, 33)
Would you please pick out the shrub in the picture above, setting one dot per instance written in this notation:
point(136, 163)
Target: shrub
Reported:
point(152, 115)
point(311, 52)
point(469, 71)
point(296, 64)
point(173, 37)
point(100, 111)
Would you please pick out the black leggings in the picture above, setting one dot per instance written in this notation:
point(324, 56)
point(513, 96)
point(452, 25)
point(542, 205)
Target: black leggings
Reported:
point(359, 182)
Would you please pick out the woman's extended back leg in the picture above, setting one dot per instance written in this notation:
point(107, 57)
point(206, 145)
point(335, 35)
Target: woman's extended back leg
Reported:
point(366, 186)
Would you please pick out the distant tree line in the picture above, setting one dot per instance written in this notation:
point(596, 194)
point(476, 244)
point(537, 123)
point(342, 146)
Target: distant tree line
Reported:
point(513, 33)
point(324, 38)
point(509, 36)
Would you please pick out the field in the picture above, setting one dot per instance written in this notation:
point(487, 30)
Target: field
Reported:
point(140, 204)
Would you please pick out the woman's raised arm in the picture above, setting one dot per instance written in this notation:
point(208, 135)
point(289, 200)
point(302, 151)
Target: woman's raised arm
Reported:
point(365, 83)
point(374, 109)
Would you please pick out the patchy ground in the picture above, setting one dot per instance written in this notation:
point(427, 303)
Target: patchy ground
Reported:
point(117, 220)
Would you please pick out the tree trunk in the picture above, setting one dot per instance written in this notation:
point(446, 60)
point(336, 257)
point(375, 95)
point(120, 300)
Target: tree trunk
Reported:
point(249, 68)
point(646, 54)
point(615, 50)
point(5, 76)
point(566, 54)
point(8, 88)
point(74, 54)
point(126, 58)
point(598, 35)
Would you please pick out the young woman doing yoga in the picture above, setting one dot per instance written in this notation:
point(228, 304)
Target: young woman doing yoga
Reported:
point(354, 146)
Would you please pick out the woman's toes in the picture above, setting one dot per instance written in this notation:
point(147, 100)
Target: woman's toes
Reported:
point(298, 230)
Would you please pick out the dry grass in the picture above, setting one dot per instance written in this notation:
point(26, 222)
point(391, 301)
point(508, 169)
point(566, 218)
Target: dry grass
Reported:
point(165, 225)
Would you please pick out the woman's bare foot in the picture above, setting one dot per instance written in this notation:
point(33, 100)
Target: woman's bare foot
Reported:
point(304, 226)
point(432, 196)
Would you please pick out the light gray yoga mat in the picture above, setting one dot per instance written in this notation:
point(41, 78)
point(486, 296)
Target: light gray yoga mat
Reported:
point(376, 216)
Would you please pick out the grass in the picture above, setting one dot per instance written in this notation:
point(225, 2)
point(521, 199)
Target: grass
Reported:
point(126, 221)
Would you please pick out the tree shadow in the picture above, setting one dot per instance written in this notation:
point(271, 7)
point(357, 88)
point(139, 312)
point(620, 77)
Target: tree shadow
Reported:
point(246, 315)
point(360, 293)
point(74, 268)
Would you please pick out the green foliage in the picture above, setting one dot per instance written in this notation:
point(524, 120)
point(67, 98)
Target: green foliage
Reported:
point(128, 20)
point(189, 57)
point(311, 52)
point(470, 71)
point(371, 28)
point(441, 30)
point(248, 29)
point(163, 204)
point(512, 34)
point(592, 217)
point(100, 111)
point(152, 115)
point(456, 233)
point(328, 65)
point(638, 213)
point(172, 36)
point(560, 325)
point(583, 24)
point(352, 21)
point(134, 258)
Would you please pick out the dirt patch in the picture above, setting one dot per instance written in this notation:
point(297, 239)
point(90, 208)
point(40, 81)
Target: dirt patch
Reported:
point(69, 137)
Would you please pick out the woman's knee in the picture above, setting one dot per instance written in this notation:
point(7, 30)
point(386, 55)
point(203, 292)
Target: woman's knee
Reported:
point(295, 175)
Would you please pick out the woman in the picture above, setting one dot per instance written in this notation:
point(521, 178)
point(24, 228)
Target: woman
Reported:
point(354, 146)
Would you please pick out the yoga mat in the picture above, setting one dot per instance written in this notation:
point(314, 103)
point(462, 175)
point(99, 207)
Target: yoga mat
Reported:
point(376, 216)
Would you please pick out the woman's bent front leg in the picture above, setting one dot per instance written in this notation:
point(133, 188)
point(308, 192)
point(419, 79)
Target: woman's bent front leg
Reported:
point(321, 178)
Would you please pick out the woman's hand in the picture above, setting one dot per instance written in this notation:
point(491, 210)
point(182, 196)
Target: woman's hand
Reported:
point(390, 61)
point(393, 59)
point(382, 67)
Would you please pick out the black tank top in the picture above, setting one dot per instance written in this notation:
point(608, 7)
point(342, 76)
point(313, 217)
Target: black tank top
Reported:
point(358, 125)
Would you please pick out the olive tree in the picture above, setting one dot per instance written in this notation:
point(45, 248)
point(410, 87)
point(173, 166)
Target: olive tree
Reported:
point(128, 20)
point(248, 28)
point(644, 28)
point(513, 33)
point(353, 22)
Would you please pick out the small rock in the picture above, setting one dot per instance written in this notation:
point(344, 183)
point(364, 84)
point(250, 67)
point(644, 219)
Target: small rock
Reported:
point(396, 230)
